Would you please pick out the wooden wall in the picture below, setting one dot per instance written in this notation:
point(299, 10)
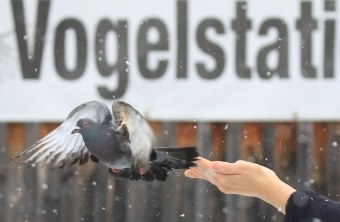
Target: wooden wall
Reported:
point(305, 155)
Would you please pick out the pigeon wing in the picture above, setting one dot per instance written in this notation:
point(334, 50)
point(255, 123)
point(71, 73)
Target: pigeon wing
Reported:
point(141, 137)
point(60, 147)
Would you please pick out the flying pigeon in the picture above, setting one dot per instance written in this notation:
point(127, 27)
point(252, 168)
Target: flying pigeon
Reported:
point(122, 141)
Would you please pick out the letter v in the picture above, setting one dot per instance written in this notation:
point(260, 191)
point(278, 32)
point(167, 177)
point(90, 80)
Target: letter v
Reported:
point(30, 62)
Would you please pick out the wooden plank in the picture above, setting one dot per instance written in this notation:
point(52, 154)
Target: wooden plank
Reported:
point(137, 196)
point(16, 138)
point(169, 137)
point(50, 179)
point(268, 145)
point(209, 200)
point(157, 128)
point(186, 136)
point(233, 138)
point(98, 192)
point(52, 196)
point(16, 143)
point(285, 152)
point(202, 188)
point(268, 160)
point(251, 150)
point(218, 143)
point(67, 202)
point(120, 200)
point(333, 163)
point(83, 192)
point(168, 190)
point(110, 200)
point(68, 205)
point(320, 156)
point(153, 200)
point(176, 193)
point(251, 142)
point(31, 184)
point(304, 159)
point(41, 180)
point(3, 169)
point(187, 207)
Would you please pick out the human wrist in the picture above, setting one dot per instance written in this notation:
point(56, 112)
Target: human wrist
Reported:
point(274, 191)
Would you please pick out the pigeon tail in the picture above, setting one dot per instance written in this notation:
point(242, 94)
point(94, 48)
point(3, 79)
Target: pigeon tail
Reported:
point(174, 158)
point(162, 161)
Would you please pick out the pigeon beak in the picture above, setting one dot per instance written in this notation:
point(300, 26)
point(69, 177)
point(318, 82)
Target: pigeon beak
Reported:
point(76, 130)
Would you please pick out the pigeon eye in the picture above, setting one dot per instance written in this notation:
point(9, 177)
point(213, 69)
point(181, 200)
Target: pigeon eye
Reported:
point(86, 124)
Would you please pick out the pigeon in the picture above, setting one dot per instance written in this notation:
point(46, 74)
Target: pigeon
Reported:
point(122, 141)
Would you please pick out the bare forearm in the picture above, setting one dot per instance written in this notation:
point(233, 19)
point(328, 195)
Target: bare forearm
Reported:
point(276, 192)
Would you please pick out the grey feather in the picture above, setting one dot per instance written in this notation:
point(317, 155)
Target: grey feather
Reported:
point(141, 136)
point(60, 147)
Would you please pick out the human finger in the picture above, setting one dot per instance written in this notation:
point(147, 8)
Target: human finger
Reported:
point(225, 167)
point(202, 164)
point(191, 173)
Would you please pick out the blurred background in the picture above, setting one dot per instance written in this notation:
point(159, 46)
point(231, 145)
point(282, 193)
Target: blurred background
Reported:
point(252, 80)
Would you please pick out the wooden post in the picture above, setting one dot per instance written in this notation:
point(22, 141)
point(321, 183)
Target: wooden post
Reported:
point(3, 167)
point(31, 183)
point(50, 178)
point(83, 191)
point(153, 199)
point(187, 136)
point(171, 191)
point(304, 159)
point(333, 163)
point(268, 150)
point(67, 193)
point(234, 137)
point(203, 190)
point(320, 154)
point(15, 182)
point(285, 152)
point(97, 192)
point(251, 150)
point(136, 201)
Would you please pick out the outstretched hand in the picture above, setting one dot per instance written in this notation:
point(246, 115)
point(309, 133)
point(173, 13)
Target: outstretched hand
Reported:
point(243, 178)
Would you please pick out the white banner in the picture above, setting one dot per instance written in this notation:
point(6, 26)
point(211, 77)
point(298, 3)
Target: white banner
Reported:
point(216, 60)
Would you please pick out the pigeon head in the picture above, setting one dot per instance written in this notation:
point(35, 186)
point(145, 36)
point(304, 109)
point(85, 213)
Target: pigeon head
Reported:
point(83, 125)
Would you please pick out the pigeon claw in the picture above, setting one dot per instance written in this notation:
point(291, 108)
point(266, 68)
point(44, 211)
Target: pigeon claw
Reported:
point(141, 171)
point(115, 170)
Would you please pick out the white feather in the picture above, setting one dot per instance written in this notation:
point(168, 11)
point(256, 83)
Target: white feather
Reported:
point(60, 146)
point(140, 134)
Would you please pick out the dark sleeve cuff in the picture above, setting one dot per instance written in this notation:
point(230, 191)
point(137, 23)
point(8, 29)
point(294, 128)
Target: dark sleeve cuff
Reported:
point(308, 206)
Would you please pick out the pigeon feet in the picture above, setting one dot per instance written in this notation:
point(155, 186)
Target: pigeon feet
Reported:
point(115, 170)
point(141, 171)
